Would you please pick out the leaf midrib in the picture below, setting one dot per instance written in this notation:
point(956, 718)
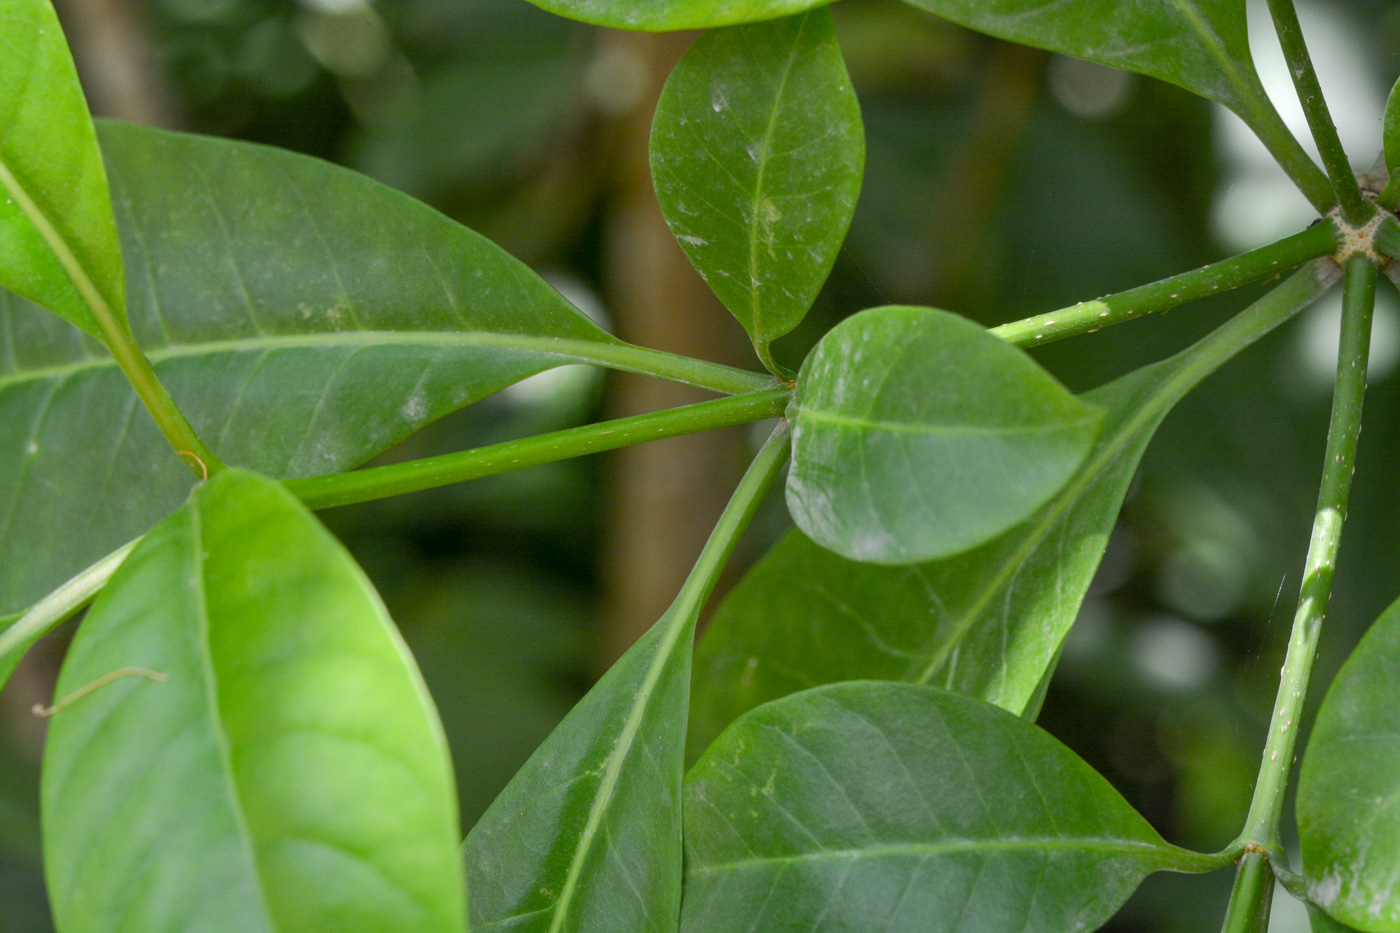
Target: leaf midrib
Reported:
point(574, 348)
point(1094, 844)
point(954, 430)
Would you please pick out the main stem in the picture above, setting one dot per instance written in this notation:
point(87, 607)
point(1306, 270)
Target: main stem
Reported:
point(1262, 826)
point(396, 479)
point(1355, 208)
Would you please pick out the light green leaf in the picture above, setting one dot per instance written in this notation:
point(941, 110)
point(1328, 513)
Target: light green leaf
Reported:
point(304, 317)
point(587, 836)
point(1349, 787)
point(665, 15)
point(916, 435)
point(1201, 45)
point(889, 807)
point(757, 151)
point(987, 623)
point(270, 761)
point(58, 242)
point(9, 661)
point(1390, 197)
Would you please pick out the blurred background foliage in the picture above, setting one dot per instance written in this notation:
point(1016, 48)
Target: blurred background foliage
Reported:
point(1001, 182)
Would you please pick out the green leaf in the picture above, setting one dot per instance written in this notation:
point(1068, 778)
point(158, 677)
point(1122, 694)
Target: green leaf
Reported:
point(277, 766)
point(1321, 923)
point(587, 835)
point(890, 807)
point(916, 435)
point(1390, 197)
point(1201, 45)
point(757, 151)
point(304, 317)
point(988, 622)
point(665, 15)
point(1349, 788)
point(58, 242)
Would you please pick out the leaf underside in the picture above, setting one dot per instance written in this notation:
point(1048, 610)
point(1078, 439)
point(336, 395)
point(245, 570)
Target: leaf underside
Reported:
point(277, 766)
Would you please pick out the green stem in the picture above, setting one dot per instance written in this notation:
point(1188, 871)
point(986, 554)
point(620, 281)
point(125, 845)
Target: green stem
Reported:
point(1252, 896)
point(1318, 240)
point(1290, 155)
point(1386, 239)
point(396, 479)
point(62, 603)
point(1355, 208)
point(1262, 826)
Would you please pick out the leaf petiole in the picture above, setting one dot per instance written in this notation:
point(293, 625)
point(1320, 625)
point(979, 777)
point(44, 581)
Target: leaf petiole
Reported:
point(1318, 240)
point(396, 479)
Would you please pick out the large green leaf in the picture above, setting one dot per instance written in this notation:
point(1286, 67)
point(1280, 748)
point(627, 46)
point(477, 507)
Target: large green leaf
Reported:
point(891, 807)
point(58, 242)
point(916, 435)
point(662, 15)
point(986, 623)
point(757, 151)
point(278, 766)
point(1321, 923)
point(304, 317)
point(1201, 45)
point(587, 836)
point(1349, 787)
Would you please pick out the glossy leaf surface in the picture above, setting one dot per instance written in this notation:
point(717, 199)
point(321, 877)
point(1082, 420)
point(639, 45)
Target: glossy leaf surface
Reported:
point(280, 767)
point(1201, 45)
point(1349, 787)
point(665, 15)
point(890, 807)
point(988, 622)
point(916, 435)
point(56, 226)
point(757, 151)
point(304, 317)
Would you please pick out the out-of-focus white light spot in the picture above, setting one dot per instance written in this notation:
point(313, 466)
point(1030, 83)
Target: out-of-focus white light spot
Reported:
point(1174, 654)
point(1322, 328)
point(1206, 580)
point(1088, 89)
point(562, 382)
point(1258, 202)
point(1288, 914)
point(616, 78)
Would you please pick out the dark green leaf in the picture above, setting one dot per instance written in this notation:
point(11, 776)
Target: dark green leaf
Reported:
point(279, 766)
point(587, 835)
point(891, 807)
point(757, 151)
point(58, 242)
point(304, 317)
point(1349, 787)
point(665, 15)
point(1201, 45)
point(986, 623)
point(1391, 137)
point(916, 435)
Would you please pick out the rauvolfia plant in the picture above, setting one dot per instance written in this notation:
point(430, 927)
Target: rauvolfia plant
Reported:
point(202, 340)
